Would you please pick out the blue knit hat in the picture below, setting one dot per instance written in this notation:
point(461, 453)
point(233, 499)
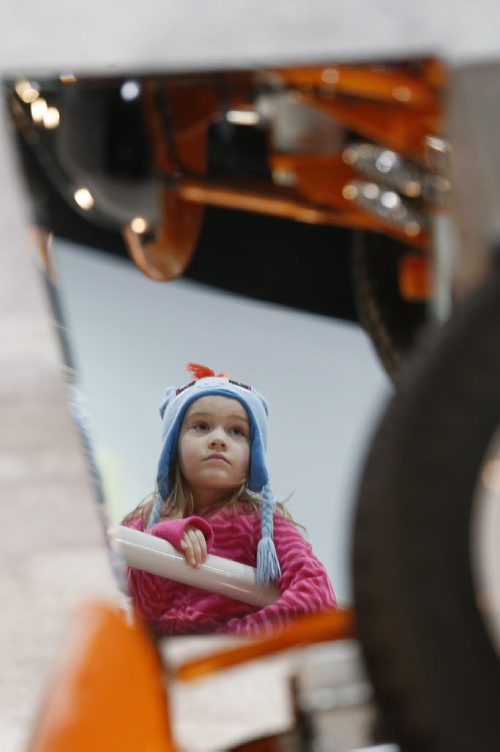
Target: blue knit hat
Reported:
point(173, 409)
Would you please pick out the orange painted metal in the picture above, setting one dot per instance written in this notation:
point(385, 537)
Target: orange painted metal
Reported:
point(414, 277)
point(393, 125)
point(296, 204)
point(378, 83)
point(397, 106)
point(323, 626)
point(108, 692)
point(279, 202)
point(321, 179)
point(167, 256)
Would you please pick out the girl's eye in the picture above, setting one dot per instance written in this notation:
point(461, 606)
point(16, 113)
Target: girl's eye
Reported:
point(237, 431)
point(200, 426)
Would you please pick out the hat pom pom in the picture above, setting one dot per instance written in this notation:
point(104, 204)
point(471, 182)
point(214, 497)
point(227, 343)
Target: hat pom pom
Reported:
point(201, 372)
point(198, 371)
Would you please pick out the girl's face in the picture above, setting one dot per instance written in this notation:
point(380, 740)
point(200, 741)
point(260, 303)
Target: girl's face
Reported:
point(214, 447)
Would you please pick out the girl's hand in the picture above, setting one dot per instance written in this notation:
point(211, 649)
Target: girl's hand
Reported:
point(194, 546)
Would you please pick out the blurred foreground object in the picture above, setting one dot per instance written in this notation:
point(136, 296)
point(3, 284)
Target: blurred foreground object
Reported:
point(108, 690)
point(427, 613)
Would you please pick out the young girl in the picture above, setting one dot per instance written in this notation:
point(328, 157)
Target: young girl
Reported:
point(213, 496)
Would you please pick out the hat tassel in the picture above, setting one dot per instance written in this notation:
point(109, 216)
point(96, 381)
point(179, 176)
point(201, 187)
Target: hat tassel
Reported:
point(268, 567)
point(154, 515)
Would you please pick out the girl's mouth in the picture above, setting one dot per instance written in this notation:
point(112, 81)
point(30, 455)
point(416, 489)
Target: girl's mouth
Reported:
point(217, 457)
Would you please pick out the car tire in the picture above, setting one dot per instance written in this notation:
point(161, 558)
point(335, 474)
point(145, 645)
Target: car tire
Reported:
point(435, 672)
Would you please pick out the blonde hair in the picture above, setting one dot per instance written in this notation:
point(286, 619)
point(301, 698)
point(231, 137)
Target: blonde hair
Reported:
point(180, 503)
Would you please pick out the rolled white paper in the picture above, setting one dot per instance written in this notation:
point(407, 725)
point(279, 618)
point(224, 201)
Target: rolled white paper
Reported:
point(222, 576)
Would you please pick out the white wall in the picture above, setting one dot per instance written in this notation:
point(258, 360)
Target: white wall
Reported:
point(183, 33)
point(132, 337)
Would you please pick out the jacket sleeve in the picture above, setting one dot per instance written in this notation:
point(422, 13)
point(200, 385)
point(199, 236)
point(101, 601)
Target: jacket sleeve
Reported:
point(173, 530)
point(150, 592)
point(304, 584)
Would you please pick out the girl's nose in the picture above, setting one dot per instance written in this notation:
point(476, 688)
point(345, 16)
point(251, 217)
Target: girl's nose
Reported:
point(217, 440)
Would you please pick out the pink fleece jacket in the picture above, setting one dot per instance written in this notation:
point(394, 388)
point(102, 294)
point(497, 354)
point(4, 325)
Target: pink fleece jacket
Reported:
point(175, 608)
